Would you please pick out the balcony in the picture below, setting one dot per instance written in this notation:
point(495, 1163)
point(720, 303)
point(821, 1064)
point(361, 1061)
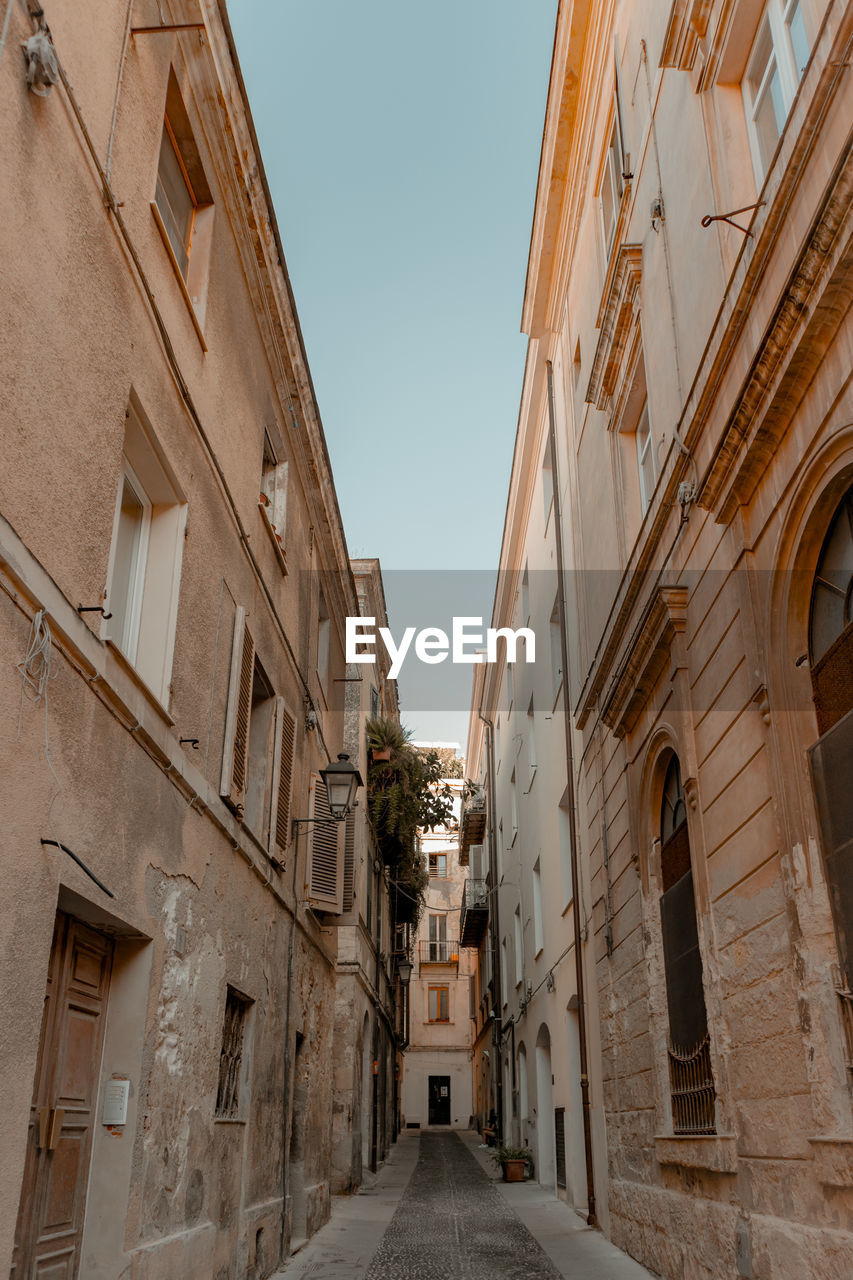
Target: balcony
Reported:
point(475, 913)
point(439, 952)
point(473, 825)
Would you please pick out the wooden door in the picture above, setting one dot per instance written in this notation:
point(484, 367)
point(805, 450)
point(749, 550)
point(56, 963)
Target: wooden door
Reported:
point(65, 1094)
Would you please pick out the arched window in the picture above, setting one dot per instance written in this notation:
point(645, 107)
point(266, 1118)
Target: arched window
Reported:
point(691, 1078)
point(831, 659)
point(831, 620)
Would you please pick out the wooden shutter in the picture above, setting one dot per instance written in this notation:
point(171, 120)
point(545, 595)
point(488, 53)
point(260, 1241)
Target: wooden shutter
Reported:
point(477, 861)
point(282, 777)
point(325, 874)
point(349, 862)
point(235, 754)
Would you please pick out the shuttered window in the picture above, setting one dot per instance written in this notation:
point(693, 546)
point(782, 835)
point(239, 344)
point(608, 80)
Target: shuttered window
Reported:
point(439, 1004)
point(325, 880)
point(282, 786)
point(235, 754)
point(349, 862)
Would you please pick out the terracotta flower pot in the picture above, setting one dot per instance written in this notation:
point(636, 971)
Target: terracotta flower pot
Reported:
point(514, 1170)
point(382, 754)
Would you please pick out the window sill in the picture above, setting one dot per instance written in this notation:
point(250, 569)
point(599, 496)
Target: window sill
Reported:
point(229, 1120)
point(273, 537)
point(130, 670)
point(714, 1151)
point(833, 1160)
point(178, 275)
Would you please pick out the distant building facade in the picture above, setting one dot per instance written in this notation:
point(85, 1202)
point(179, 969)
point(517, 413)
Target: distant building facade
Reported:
point(687, 305)
point(174, 587)
point(437, 1062)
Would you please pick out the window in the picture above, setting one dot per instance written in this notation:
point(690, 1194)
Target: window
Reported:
point(564, 826)
point(556, 640)
point(531, 742)
point(183, 204)
point(259, 744)
point(611, 185)
point(145, 559)
point(693, 1093)
point(547, 485)
point(510, 691)
point(438, 950)
point(525, 597)
point(776, 63)
point(324, 628)
point(503, 972)
point(646, 458)
point(273, 499)
point(639, 448)
point(438, 866)
point(256, 809)
point(325, 871)
point(513, 809)
point(231, 1056)
point(519, 953)
point(576, 365)
point(538, 931)
point(500, 850)
point(439, 1004)
point(375, 704)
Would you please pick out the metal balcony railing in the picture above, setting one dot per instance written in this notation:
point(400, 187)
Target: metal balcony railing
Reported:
point(439, 952)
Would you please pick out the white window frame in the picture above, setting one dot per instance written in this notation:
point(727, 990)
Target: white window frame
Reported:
point(647, 448)
point(777, 15)
point(611, 173)
point(519, 947)
point(538, 926)
point(128, 642)
point(149, 643)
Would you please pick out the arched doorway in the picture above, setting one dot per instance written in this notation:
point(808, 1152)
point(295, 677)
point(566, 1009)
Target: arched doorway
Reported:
point(545, 1168)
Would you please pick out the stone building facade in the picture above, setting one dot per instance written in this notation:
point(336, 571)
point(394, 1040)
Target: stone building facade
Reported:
point(687, 305)
point(369, 1009)
point(174, 582)
point(437, 1068)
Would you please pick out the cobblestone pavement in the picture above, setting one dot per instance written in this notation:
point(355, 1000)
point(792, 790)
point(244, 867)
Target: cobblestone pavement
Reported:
point(453, 1224)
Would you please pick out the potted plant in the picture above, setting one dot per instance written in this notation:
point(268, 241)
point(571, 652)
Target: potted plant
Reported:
point(513, 1162)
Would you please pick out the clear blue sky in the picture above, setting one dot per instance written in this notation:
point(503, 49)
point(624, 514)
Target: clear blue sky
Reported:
point(401, 142)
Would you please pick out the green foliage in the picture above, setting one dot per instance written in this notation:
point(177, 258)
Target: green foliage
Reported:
point(405, 794)
point(501, 1154)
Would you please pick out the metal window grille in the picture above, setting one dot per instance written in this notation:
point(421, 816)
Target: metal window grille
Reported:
point(231, 1055)
point(693, 1091)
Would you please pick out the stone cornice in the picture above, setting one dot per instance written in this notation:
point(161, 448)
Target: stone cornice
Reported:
point(688, 22)
point(615, 318)
point(664, 617)
point(817, 295)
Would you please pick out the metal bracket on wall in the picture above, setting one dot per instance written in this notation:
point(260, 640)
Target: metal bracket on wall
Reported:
point(727, 217)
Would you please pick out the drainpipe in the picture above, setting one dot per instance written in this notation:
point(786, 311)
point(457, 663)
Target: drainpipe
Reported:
point(495, 929)
point(570, 787)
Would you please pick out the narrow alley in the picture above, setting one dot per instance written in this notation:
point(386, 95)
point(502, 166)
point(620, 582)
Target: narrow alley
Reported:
point(438, 1209)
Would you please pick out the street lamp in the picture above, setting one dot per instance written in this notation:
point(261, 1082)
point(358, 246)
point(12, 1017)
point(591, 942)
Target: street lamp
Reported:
point(404, 971)
point(342, 781)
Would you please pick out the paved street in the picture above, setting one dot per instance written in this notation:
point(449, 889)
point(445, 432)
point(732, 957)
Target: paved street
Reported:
point(438, 1211)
